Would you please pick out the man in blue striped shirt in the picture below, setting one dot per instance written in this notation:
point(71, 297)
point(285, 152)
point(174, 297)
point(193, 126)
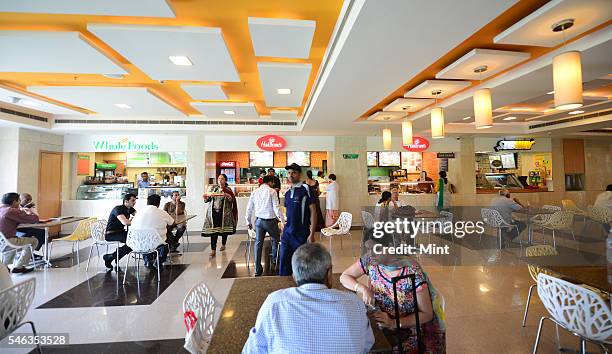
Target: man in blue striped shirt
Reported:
point(312, 317)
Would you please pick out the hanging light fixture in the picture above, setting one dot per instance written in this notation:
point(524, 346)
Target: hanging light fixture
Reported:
point(483, 111)
point(387, 139)
point(567, 73)
point(406, 132)
point(437, 118)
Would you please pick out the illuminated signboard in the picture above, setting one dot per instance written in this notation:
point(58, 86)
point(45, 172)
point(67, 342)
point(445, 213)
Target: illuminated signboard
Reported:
point(514, 145)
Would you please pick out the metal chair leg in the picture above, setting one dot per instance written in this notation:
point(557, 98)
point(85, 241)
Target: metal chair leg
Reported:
point(137, 268)
point(77, 253)
point(499, 233)
point(554, 240)
point(158, 273)
point(537, 340)
point(117, 260)
point(330, 245)
point(582, 346)
point(127, 264)
point(527, 304)
point(38, 348)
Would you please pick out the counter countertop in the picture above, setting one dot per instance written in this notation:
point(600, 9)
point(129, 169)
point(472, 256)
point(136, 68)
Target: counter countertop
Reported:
point(524, 190)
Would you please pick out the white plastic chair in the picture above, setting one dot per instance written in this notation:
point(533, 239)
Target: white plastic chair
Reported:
point(142, 242)
point(98, 232)
point(540, 219)
point(601, 215)
point(200, 300)
point(536, 251)
point(493, 218)
point(7, 247)
point(251, 237)
point(14, 305)
point(560, 221)
point(368, 219)
point(340, 228)
point(576, 309)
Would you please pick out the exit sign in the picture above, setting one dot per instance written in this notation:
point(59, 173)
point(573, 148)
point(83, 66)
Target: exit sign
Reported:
point(350, 156)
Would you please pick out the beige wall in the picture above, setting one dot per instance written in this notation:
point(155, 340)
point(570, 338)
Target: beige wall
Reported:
point(31, 143)
point(352, 174)
point(9, 158)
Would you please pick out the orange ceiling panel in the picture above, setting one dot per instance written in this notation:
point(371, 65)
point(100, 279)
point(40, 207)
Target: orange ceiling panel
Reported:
point(230, 16)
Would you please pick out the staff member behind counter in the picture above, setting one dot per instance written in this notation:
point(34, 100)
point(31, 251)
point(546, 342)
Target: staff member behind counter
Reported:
point(144, 180)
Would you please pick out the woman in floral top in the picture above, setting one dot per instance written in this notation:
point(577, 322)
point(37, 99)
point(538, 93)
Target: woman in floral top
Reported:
point(381, 269)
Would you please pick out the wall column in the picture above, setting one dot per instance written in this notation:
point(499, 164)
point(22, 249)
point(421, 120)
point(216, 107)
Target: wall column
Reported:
point(195, 181)
point(352, 174)
point(461, 173)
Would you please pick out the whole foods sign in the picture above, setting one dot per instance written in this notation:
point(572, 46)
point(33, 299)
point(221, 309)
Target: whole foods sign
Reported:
point(124, 144)
point(418, 144)
point(271, 143)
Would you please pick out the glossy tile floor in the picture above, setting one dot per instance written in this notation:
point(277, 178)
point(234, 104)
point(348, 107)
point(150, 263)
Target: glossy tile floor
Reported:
point(485, 292)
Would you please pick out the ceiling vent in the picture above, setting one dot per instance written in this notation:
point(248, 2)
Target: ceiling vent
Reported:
point(174, 122)
point(571, 119)
point(23, 115)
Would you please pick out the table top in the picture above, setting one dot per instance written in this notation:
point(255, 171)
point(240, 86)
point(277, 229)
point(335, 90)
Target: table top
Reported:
point(181, 219)
point(534, 211)
point(242, 305)
point(576, 269)
point(51, 223)
point(426, 214)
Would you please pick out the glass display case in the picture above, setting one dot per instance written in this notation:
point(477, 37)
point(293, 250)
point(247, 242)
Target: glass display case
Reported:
point(163, 191)
point(103, 191)
point(498, 181)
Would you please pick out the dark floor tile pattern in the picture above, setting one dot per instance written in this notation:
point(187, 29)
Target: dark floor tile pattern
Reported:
point(238, 271)
point(167, 346)
point(193, 247)
point(104, 289)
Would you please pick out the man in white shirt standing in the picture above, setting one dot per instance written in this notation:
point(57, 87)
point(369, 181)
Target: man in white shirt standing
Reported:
point(265, 206)
point(153, 218)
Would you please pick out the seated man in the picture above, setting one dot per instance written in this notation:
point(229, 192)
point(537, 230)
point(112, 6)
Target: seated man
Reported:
point(10, 217)
point(175, 208)
point(506, 205)
point(312, 317)
point(118, 220)
point(26, 204)
point(153, 218)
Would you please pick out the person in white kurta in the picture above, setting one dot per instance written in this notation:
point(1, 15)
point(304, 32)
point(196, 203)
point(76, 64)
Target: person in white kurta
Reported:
point(332, 201)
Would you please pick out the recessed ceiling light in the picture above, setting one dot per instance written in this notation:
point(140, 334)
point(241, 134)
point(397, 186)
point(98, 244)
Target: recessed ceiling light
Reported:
point(123, 106)
point(509, 118)
point(114, 76)
point(30, 103)
point(575, 112)
point(550, 93)
point(180, 60)
point(283, 91)
point(466, 118)
point(229, 113)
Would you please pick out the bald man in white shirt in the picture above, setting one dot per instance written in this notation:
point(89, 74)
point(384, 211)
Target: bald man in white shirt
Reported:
point(152, 217)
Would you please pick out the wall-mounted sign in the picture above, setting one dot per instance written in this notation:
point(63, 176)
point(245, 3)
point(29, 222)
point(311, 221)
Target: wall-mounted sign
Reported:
point(350, 156)
point(271, 143)
point(418, 144)
point(445, 155)
point(83, 165)
point(106, 166)
point(125, 143)
point(227, 164)
point(514, 145)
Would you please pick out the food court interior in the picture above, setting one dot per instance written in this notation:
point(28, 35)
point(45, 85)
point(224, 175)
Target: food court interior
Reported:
point(465, 110)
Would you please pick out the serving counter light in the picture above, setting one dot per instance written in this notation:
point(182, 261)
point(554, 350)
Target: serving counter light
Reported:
point(567, 74)
point(437, 119)
point(483, 112)
point(406, 132)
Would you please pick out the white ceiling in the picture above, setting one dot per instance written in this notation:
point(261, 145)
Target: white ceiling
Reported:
point(216, 109)
point(205, 92)
point(52, 52)
point(290, 115)
point(281, 38)
point(276, 76)
point(495, 61)
point(29, 102)
point(386, 116)
point(102, 100)
point(147, 8)
point(373, 60)
point(408, 104)
point(535, 29)
point(148, 47)
point(447, 88)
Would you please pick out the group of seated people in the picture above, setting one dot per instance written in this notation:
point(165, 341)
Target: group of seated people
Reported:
point(124, 217)
point(19, 209)
point(316, 318)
